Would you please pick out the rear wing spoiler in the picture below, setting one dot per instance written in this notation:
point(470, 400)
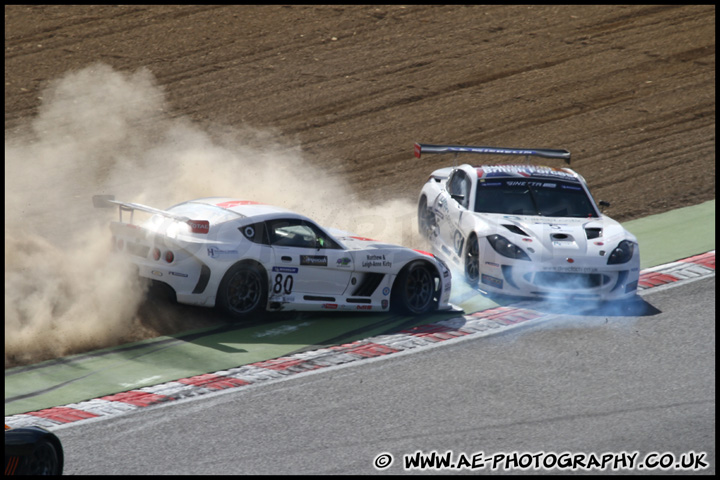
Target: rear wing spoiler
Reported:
point(108, 201)
point(421, 148)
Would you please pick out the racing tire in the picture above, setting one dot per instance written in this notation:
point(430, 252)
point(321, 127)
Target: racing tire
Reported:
point(243, 291)
point(44, 459)
point(472, 261)
point(414, 289)
point(426, 219)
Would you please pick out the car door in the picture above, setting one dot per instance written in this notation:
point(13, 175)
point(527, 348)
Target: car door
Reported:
point(306, 259)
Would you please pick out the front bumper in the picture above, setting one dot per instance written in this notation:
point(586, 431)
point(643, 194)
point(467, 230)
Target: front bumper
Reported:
point(525, 279)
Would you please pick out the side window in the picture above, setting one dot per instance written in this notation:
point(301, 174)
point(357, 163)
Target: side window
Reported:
point(466, 185)
point(452, 183)
point(256, 233)
point(298, 233)
point(459, 186)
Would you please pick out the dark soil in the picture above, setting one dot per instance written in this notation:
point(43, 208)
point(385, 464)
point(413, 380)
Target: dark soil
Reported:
point(629, 90)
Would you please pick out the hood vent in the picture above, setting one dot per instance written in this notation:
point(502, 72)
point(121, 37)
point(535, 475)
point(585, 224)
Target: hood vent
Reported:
point(593, 233)
point(516, 229)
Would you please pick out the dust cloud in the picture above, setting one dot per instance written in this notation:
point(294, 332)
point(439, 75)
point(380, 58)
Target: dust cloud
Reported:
point(102, 131)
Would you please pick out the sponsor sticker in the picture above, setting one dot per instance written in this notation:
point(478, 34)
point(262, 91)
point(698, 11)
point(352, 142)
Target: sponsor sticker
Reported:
point(215, 252)
point(314, 260)
point(492, 281)
point(376, 260)
point(199, 226)
point(571, 269)
point(235, 203)
point(285, 269)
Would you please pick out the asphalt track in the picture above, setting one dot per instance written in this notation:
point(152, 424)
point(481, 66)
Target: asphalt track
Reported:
point(156, 361)
point(588, 384)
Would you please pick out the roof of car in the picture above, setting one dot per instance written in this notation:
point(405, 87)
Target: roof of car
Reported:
point(245, 208)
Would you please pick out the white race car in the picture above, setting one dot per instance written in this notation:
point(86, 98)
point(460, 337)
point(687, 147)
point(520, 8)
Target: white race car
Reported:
point(525, 230)
point(248, 257)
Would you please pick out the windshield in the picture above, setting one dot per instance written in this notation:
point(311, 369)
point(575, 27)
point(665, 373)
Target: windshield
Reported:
point(549, 198)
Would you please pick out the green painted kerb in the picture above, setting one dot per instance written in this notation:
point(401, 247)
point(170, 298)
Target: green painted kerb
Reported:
point(675, 235)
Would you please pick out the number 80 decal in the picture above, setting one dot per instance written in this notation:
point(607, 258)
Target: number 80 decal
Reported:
point(283, 286)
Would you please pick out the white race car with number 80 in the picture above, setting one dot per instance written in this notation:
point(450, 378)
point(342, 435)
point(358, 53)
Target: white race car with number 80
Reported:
point(248, 257)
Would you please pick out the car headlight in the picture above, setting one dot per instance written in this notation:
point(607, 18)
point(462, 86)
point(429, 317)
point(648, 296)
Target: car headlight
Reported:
point(622, 253)
point(503, 246)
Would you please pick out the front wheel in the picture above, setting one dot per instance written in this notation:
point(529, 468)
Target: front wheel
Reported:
point(414, 289)
point(472, 261)
point(243, 290)
point(44, 460)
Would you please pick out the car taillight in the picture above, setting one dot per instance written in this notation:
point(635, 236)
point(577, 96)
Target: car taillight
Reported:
point(169, 256)
point(156, 253)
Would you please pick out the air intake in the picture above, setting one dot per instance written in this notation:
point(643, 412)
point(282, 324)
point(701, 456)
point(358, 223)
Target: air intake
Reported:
point(516, 229)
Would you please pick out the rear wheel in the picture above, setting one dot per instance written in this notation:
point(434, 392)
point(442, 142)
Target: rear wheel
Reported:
point(472, 261)
point(243, 290)
point(414, 289)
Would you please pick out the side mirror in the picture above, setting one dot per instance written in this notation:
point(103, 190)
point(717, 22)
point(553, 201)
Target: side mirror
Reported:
point(603, 205)
point(458, 198)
